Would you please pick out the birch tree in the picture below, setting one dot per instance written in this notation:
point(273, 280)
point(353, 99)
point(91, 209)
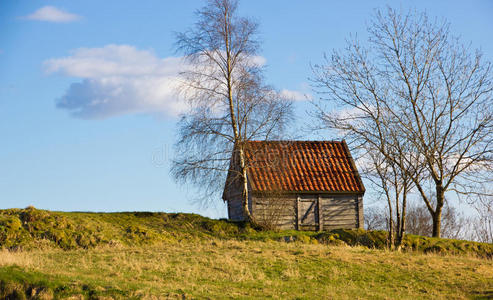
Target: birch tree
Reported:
point(229, 102)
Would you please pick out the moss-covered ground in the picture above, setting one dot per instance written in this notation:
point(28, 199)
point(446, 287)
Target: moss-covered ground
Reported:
point(138, 255)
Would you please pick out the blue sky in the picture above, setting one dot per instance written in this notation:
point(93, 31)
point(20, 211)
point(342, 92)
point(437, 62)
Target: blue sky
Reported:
point(114, 156)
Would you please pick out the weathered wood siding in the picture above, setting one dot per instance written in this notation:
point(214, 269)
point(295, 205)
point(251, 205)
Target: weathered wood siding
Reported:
point(279, 212)
point(308, 211)
point(339, 211)
point(361, 220)
point(336, 211)
point(233, 195)
point(235, 208)
point(235, 205)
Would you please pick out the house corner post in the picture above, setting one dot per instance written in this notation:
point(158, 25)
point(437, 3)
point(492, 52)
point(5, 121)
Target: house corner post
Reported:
point(320, 214)
point(298, 213)
point(361, 216)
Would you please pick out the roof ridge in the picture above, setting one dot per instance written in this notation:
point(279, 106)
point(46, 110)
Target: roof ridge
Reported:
point(295, 141)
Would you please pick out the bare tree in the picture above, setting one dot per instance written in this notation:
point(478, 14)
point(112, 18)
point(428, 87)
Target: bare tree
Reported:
point(483, 224)
point(455, 225)
point(418, 220)
point(415, 84)
point(375, 219)
point(394, 185)
point(229, 101)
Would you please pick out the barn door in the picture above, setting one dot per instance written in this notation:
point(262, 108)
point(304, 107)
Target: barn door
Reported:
point(308, 212)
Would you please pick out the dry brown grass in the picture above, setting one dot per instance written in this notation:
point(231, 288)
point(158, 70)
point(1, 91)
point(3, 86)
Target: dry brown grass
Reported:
point(251, 269)
point(21, 259)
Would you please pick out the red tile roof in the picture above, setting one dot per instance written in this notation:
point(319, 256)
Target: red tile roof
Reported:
point(306, 166)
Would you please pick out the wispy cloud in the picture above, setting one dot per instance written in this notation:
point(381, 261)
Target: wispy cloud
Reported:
point(52, 14)
point(295, 95)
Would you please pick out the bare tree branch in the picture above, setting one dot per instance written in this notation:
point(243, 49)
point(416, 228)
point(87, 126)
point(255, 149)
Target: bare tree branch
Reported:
point(416, 96)
point(229, 102)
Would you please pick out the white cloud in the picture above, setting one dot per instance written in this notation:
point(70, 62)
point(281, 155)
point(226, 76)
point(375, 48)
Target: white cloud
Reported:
point(113, 60)
point(118, 79)
point(52, 14)
point(121, 79)
point(295, 95)
point(351, 114)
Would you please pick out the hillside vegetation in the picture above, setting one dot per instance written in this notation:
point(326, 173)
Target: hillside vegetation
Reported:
point(146, 255)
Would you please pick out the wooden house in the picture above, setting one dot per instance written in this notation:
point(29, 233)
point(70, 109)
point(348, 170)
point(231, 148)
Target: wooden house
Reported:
point(304, 185)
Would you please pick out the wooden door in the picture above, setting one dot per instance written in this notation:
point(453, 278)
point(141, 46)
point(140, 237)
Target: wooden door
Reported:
point(308, 217)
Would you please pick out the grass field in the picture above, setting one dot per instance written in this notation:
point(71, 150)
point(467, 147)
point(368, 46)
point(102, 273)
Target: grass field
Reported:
point(151, 256)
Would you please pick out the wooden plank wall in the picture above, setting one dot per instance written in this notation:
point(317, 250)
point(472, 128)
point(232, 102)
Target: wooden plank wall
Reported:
point(339, 211)
point(235, 205)
point(279, 211)
point(361, 220)
point(233, 195)
point(235, 208)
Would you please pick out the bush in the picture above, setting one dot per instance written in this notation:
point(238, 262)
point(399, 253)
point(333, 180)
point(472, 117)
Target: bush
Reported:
point(329, 238)
point(12, 234)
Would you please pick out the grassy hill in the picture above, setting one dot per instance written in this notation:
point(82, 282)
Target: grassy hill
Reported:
point(157, 255)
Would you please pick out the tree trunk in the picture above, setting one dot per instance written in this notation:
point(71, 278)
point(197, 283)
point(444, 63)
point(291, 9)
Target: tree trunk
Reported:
point(236, 131)
point(437, 215)
point(403, 218)
point(437, 220)
point(391, 228)
point(246, 209)
point(397, 219)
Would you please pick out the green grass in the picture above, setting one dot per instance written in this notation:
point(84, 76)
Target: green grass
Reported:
point(146, 255)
